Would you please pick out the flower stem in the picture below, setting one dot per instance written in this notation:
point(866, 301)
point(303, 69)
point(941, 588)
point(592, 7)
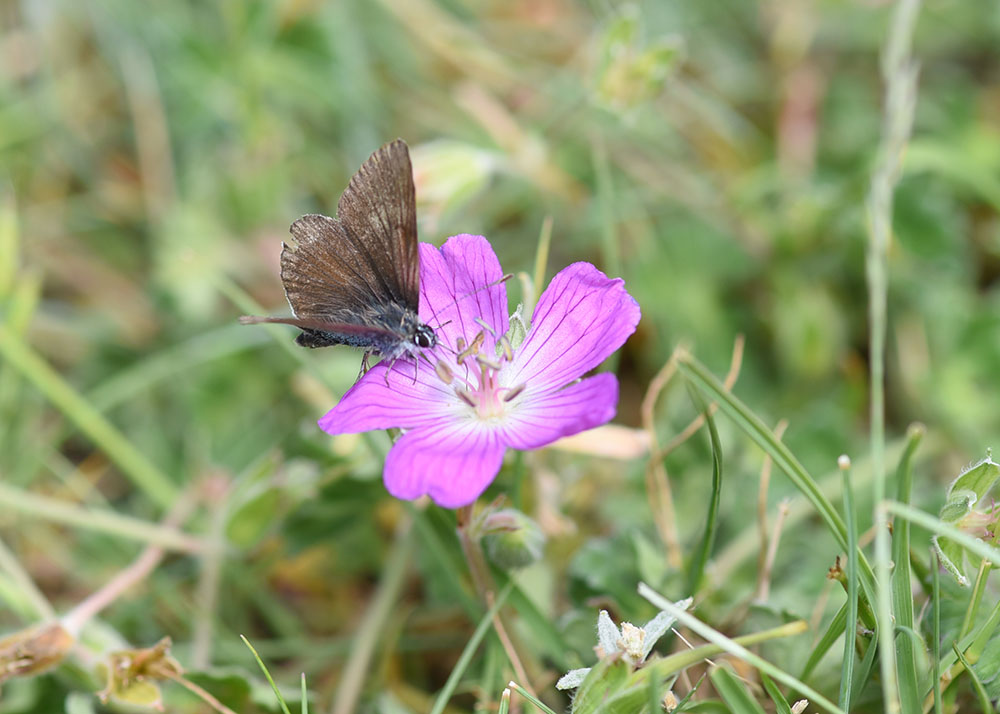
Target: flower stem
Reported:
point(485, 588)
point(473, 552)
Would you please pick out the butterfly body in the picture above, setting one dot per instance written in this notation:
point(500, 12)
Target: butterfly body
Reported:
point(355, 279)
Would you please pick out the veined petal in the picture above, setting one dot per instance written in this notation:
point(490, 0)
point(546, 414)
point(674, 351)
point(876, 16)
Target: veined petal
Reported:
point(452, 462)
point(414, 396)
point(581, 318)
point(541, 418)
point(453, 289)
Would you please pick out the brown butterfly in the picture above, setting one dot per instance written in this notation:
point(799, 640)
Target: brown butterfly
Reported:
point(355, 279)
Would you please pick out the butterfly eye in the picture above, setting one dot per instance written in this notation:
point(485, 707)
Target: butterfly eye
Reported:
point(424, 337)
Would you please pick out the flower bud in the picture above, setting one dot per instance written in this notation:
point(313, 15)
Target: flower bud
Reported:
point(512, 540)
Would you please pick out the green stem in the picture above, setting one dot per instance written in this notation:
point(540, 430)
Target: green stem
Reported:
point(900, 76)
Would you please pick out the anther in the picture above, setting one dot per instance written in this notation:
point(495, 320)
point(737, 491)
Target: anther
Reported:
point(485, 325)
point(508, 351)
point(484, 362)
point(466, 397)
point(514, 392)
point(471, 349)
point(443, 372)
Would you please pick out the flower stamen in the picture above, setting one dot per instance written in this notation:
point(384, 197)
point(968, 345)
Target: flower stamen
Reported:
point(508, 351)
point(444, 372)
point(486, 362)
point(466, 397)
point(472, 348)
point(485, 325)
point(514, 392)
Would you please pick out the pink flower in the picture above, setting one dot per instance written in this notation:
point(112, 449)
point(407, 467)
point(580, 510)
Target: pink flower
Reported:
point(475, 395)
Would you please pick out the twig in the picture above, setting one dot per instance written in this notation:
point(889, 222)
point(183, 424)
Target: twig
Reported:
point(657, 481)
point(10, 564)
point(765, 481)
point(75, 619)
point(734, 372)
point(508, 646)
point(764, 586)
point(661, 497)
point(207, 593)
point(201, 693)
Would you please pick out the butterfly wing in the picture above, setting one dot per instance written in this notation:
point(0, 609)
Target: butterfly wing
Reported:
point(379, 208)
point(364, 264)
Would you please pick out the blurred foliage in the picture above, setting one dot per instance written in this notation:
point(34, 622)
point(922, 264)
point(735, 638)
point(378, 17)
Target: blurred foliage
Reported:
point(714, 154)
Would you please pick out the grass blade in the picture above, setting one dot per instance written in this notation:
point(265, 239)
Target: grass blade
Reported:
point(834, 630)
point(697, 567)
point(782, 456)
point(851, 613)
point(267, 675)
point(936, 629)
point(984, 699)
point(736, 649)
point(781, 705)
point(902, 593)
point(133, 463)
point(470, 649)
point(733, 692)
point(900, 77)
point(538, 704)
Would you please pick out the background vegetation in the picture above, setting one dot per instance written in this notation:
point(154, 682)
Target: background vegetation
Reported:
point(717, 155)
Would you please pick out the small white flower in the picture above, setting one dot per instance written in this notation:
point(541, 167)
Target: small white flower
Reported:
point(633, 644)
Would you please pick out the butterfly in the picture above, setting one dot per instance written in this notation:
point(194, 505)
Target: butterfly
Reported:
point(355, 279)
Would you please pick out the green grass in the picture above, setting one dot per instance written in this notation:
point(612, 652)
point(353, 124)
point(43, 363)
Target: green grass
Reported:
point(820, 178)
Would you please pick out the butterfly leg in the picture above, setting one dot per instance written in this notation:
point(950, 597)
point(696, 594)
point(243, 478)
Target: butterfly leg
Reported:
point(365, 366)
point(389, 369)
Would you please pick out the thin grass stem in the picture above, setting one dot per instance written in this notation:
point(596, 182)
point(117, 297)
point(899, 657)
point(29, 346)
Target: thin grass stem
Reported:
point(900, 77)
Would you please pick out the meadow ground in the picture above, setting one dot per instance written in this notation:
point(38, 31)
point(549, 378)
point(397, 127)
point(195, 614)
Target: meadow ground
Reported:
point(804, 200)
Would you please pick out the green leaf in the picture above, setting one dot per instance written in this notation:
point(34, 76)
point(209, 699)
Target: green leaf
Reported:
point(977, 479)
point(605, 680)
point(734, 692)
point(781, 705)
point(988, 668)
point(964, 493)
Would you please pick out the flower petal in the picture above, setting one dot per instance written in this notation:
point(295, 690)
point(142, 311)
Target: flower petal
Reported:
point(414, 396)
point(451, 462)
point(541, 418)
point(581, 318)
point(453, 289)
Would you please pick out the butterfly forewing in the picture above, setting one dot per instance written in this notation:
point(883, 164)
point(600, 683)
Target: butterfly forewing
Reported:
point(379, 207)
point(365, 260)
